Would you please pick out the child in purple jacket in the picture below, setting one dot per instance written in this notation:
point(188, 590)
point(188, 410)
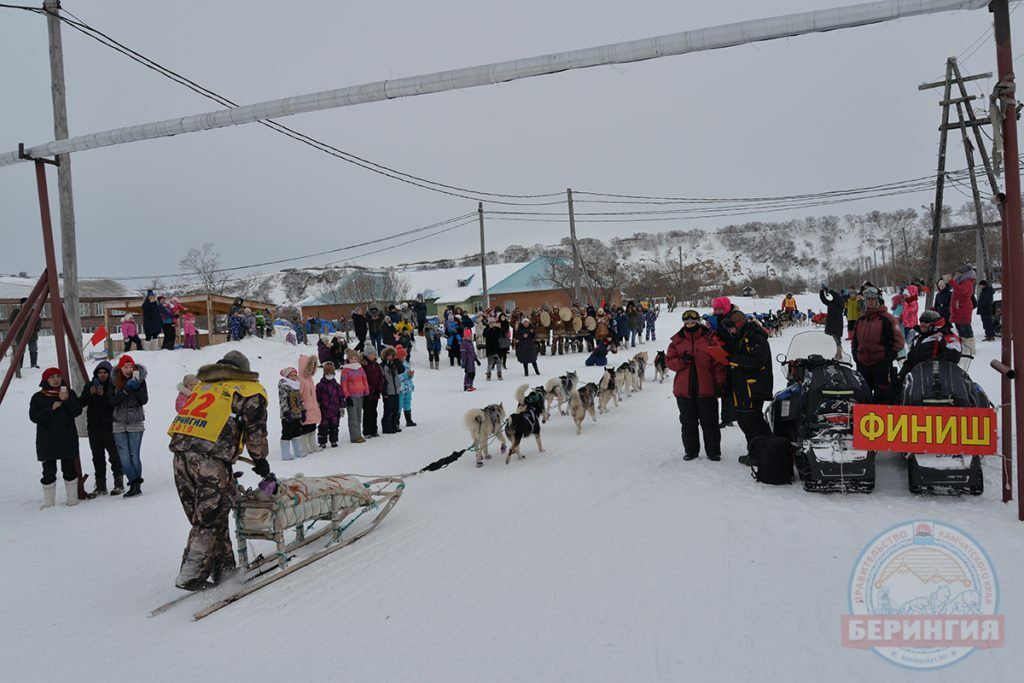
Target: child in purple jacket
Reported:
point(469, 359)
point(331, 398)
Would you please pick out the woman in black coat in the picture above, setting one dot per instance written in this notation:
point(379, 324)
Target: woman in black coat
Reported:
point(152, 323)
point(53, 409)
point(835, 307)
point(526, 346)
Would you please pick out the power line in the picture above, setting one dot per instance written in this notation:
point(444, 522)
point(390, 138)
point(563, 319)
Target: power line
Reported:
point(319, 253)
point(452, 190)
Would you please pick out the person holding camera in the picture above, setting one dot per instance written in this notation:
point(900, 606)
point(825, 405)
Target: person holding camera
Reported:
point(53, 409)
point(100, 420)
point(129, 419)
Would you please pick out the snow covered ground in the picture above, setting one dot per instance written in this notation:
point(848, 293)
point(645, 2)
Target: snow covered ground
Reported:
point(607, 558)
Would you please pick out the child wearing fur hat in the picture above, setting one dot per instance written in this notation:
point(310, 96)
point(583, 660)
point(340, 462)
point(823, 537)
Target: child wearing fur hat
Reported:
point(130, 333)
point(393, 369)
point(292, 414)
point(405, 394)
point(331, 399)
point(185, 387)
point(355, 388)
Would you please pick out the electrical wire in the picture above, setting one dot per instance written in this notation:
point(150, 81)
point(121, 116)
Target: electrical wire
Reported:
point(452, 190)
point(305, 256)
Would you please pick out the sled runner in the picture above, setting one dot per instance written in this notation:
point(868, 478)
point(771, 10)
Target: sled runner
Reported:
point(941, 383)
point(299, 503)
point(815, 412)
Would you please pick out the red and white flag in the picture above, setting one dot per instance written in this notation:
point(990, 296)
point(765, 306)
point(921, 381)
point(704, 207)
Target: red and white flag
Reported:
point(99, 335)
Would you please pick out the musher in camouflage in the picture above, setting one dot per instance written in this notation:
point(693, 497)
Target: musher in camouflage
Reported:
point(226, 412)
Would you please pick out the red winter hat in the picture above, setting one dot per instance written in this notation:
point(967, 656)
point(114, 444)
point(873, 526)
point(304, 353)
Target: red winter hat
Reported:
point(721, 302)
point(467, 333)
point(401, 353)
point(50, 372)
point(124, 360)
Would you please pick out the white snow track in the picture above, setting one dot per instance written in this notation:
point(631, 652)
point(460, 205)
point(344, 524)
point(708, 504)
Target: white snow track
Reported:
point(605, 558)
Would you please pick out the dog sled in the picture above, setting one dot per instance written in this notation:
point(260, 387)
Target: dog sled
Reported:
point(943, 384)
point(815, 413)
point(298, 504)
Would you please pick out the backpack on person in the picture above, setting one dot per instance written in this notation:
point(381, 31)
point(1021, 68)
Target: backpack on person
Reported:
point(771, 460)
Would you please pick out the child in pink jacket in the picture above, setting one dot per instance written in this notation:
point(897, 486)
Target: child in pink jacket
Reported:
point(130, 333)
point(188, 328)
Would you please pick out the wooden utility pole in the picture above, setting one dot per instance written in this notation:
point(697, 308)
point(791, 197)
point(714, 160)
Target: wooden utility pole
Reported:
point(575, 248)
point(965, 122)
point(483, 256)
point(940, 179)
point(68, 248)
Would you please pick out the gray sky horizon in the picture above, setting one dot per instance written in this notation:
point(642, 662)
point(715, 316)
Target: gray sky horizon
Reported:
point(807, 114)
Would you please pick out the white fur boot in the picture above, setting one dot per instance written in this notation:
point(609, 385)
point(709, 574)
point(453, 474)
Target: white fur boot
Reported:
point(49, 495)
point(286, 450)
point(71, 489)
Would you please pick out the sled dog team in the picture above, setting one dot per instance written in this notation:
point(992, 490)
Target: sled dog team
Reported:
point(533, 406)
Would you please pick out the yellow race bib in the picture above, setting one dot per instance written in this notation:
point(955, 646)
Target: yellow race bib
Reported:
point(209, 407)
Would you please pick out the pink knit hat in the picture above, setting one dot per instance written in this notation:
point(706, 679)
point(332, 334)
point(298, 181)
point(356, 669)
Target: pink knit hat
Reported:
point(287, 371)
point(721, 302)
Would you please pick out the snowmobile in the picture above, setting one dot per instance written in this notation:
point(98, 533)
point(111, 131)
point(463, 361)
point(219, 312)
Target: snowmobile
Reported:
point(815, 412)
point(943, 384)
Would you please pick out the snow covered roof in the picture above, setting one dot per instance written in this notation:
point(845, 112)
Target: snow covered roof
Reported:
point(13, 287)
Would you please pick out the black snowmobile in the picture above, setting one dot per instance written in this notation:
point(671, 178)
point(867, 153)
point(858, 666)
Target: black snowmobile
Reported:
point(815, 412)
point(943, 384)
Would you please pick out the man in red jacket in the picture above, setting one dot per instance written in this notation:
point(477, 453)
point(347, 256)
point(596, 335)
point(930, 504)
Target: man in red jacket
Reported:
point(699, 380)
point(877, 340)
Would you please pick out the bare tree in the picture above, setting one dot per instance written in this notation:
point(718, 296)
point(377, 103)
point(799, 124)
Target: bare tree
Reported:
point(378, 287)
point(204, 263)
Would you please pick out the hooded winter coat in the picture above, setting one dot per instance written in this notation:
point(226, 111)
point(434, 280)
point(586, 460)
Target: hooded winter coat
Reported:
point(331, 398)
point(961, 308)
point(151, 322)
point(910, 307)
point(852, 307)
point(392, 370)
point(985, 298)
point(526, 344)
point(323, 351)
point(99, 414)
point(374, 378)
point(877, 338)
point(698, 374)
point(56, 434)
point(943, 300)
point(307, 368)
point(359, 325)
point(834, 304)
point(127, 404)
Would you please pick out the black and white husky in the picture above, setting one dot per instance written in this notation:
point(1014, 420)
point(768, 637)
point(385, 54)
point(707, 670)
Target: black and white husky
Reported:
point(485, 424)
point(659, 367)
point(625, 380)
point(581, 403)
point(526, 420)
point(560, 389)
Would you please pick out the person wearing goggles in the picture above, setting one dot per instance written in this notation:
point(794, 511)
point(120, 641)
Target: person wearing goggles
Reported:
point(699, 380)
point(877, 341)
point(933, 341)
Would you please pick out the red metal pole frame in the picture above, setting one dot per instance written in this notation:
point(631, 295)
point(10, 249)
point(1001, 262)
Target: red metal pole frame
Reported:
point(51, 269)
point(1012, 236)
point(34, 307)
point(75, 348)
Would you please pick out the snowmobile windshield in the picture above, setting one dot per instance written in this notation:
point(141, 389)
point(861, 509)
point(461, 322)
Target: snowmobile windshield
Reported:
point(813, 343)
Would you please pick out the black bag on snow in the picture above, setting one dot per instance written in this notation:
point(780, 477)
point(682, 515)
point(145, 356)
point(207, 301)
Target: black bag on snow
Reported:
point(771, 460)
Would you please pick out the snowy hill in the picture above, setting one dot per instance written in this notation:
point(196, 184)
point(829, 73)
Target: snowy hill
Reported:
point(607, 558)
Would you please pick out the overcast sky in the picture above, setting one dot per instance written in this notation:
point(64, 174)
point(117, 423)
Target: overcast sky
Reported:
point(807, 114)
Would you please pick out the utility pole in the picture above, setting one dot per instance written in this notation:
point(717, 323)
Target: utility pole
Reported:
point(483, 256)
point(68, 248)
point(575, 248)
point(980, 245)
point(940, 180)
